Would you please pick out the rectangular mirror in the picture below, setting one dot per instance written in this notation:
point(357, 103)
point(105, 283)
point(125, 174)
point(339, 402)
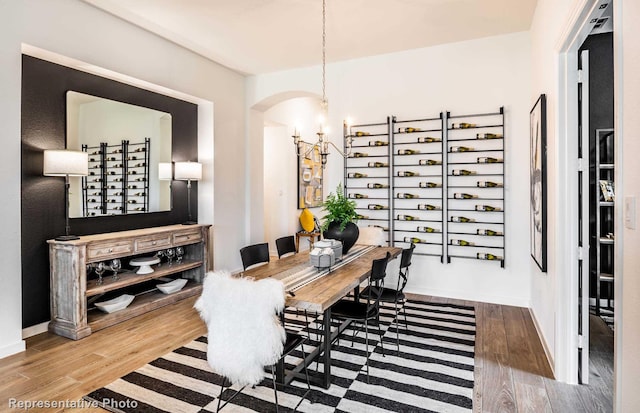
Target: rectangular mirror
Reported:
point(126, 145)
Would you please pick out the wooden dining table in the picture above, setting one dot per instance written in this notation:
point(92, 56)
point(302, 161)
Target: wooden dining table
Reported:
point(308, 288)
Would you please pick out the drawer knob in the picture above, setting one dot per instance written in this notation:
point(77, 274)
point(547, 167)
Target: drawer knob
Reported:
point(188, 236)
point(110, 249)
point(154, 243)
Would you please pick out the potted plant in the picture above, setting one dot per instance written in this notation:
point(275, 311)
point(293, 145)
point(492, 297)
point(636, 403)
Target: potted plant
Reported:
point(339, 221)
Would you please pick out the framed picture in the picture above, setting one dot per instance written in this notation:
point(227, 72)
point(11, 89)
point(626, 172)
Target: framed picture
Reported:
point(538, 176)
point(309, 177)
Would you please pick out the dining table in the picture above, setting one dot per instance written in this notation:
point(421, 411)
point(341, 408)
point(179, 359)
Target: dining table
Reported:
point(316, 290)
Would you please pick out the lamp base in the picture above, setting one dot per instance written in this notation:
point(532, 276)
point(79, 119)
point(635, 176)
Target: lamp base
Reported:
point(189, 223)
point(67, 237)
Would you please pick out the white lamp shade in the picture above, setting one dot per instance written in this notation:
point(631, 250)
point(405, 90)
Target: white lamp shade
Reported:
point(164, 171)
point(188, 171)
point(64, 162)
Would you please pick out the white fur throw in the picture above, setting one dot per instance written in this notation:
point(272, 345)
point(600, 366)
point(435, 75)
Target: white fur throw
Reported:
point(244, 332)
point(371, 236)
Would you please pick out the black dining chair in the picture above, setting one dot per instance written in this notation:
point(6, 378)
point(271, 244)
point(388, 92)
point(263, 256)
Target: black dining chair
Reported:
point(362, 312)
point(254, 254)
point(286, 245)
point(254, 333)
point(397, 296)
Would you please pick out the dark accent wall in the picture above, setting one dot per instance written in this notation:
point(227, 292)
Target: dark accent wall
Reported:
point(601, 96)
point(44, 88)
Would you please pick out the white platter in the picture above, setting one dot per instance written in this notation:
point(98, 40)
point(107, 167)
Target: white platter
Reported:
point(115, 304)
point(173, 286)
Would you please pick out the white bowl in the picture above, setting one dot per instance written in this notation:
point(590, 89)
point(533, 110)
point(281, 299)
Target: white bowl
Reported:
point(115, 304)
point(173, 286)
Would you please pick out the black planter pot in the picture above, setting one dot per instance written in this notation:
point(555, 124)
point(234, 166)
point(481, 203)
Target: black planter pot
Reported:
point(348, 236)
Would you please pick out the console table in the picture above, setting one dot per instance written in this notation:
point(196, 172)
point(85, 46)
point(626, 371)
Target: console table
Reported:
point(72, 293)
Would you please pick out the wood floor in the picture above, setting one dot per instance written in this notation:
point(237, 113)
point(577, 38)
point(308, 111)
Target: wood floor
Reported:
point(511, 373)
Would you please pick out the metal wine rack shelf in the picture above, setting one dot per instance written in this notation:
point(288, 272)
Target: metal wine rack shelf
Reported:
point(118, 180)
point(416, 177)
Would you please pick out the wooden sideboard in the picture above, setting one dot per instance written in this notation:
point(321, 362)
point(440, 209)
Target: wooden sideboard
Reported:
point(73, 293)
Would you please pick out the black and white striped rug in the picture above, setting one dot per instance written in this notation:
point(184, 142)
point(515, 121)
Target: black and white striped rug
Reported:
point(432, 373)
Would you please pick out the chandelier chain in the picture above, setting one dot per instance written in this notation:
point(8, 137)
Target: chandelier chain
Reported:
point(324, 53)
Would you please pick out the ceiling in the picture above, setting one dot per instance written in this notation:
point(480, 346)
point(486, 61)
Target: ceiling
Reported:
point(261, 36)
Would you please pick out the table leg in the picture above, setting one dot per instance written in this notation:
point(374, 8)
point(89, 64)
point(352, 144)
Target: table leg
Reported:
point(327, 348)
point(297, 242)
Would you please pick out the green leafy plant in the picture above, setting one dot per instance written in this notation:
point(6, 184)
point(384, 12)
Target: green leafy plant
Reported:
point(340, 209)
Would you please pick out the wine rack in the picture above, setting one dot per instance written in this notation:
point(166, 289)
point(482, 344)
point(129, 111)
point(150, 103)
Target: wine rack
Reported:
point(417, 184)
point(118, 180)
point(366, 173)
point(604, 211)
point(475, 186)
point(437, 182)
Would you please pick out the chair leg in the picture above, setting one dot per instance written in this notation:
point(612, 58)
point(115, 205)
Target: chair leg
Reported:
point(306, 374)
point(275, 389)
point(395, 304)
point(381, 333)
point(366, 341)
point(306, 320)
point(224, 380)
point(404, 311)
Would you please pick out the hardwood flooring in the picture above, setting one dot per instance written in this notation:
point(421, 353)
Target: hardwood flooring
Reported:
point(511, 373)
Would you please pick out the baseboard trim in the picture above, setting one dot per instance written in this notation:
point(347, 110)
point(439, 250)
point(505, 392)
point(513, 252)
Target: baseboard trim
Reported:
point(545, 345)
point(35, 330)
point(471, 296)
point(12, 349)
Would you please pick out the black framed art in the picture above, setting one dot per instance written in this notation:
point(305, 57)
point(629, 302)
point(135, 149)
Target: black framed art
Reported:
point(538, 176)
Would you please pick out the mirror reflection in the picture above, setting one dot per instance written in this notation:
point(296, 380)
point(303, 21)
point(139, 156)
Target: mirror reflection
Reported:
point(126, 144)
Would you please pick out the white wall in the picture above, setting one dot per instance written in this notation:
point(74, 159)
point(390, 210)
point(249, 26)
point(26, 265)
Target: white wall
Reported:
point(281, 213)
point(627, 57)
point(75, 29)
point(467, 77)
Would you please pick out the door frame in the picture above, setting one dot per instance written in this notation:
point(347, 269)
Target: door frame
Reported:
point(567, 300)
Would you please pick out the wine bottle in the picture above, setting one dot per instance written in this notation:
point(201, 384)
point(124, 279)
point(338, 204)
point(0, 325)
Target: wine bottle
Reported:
point(97, 167)
point(428, 139)
point(377, 206)
point(92, 214)
point(139, 194)
point(487, 256)
point(487, 208)
point(408, 129)
point(487, 159)
point(91, 187)
point(111, 172)
point(138, 209)
point(407, 173)
point(378, 164)
point(463, 125)
point(112, 158)
point(117, 180)
point(140, 165)
point(361, 133)
point(96, 153)
point(132, 187)
point(132, 172)
point(407, 196)
point(117, 208)
point(92, 200)
point(358, 196)
point(460, 149)
point(377, 185)
point(407, 151)
point(488, 135)
point(429, 185)
point(407, 218)
point(488, 232)
point(379, 226)
point(461, 242)
point(429, 162)
point(97, 180)
point(92, 172)
point(428, 229)
point(132, 158)
point(413, 240)
point(111, 187)
point(140, 150)
point(132, 201)
point(488, 184)
point(116, 151)
point(118, 165)
point(94, 160)
point(95, 194)
point(113, 201)
point(117, 194)
point(428, 207)
point(360, 216)
point(142, 179)
point(360, 155)
point(460, 195)
point(356, 175)
point(378, 143)
point(462, 219)
point(458, 172)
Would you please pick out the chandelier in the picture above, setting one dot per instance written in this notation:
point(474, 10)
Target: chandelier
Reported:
point(322, 144)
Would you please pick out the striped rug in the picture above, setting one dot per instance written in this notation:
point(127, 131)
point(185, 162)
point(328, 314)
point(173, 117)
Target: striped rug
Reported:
point(432, 373)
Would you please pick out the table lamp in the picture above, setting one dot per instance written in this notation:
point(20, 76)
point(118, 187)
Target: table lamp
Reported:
point(188, 171)
point(65, 163)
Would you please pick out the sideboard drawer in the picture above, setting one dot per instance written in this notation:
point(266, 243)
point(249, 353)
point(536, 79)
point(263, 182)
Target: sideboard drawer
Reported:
point(187, 237)
point(107, 250)
point(153, 243)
